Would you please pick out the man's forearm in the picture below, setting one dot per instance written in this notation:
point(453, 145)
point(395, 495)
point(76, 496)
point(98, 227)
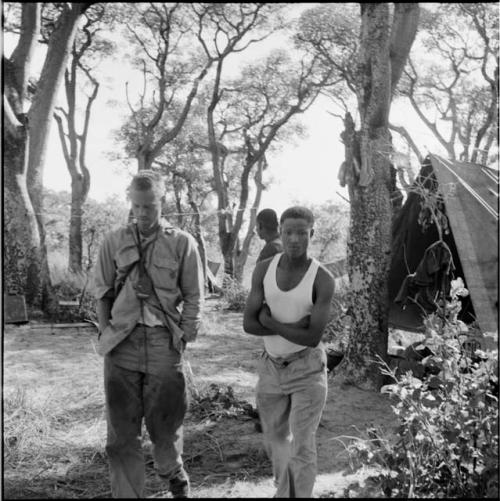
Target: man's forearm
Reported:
point(190, 327)
point(192, 287)
point(104, 306)
point(253, 326)
point(295, 334)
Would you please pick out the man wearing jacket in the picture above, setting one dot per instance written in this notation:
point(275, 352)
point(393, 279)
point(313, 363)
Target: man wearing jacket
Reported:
point(149, 290)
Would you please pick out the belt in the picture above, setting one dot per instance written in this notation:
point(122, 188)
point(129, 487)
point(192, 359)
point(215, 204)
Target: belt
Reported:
point(285, 361)
point(158, 326)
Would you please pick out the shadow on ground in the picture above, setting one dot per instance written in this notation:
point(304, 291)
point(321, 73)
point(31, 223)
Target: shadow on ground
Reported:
point(224, 457)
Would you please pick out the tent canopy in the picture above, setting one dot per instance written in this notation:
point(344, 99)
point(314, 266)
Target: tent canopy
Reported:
point(471, 205)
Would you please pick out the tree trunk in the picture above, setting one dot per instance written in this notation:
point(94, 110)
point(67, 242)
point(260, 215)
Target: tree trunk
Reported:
point(383, 49)
point(144, 158)
point(241, 258)
point(368, 252)
point(22, 239)
point(78, 195)
point(27, 268)
point(198, 233)
point(74, 149)
point(41, 111)
point(227, 253)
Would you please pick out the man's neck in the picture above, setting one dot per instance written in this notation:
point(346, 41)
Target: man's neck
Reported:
point(296, 262)
point(271, 237)
point(148, 232)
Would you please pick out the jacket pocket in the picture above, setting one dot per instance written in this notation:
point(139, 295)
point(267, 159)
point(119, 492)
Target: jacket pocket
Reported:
point(166, 272)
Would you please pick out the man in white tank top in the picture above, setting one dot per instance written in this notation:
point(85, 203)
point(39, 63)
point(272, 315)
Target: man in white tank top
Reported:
point(289, 305)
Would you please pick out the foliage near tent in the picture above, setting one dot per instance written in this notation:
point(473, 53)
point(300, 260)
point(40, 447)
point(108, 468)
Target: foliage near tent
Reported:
point(446, 444)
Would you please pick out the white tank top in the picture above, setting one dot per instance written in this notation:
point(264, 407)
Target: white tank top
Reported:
point(287, 307)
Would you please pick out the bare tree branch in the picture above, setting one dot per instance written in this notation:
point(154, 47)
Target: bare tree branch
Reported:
point(62, 136)
point(406, 135)
point(403, 31)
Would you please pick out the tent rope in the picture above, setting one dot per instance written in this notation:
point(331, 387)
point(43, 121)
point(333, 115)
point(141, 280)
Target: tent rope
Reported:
point(491, 211)
point(490, 175)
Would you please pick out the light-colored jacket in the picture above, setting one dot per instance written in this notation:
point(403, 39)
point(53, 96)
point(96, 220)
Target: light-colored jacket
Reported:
point(174, 265)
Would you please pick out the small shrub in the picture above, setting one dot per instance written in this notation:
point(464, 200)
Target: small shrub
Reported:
point(234, 294)
point(447, 437)
point(217, 402)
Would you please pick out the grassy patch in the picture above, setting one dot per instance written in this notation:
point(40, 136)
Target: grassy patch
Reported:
point(55, 430)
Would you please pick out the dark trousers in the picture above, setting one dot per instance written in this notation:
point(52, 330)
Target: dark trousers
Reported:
point(143, 377)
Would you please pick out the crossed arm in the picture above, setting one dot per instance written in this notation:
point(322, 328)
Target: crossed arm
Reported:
point(258, 320)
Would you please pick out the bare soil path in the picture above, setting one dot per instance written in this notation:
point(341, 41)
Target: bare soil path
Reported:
point(54, 428)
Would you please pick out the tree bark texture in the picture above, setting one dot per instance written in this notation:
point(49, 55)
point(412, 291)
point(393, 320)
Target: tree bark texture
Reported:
point(368, 251)
point(22, 239)
point(384, 47)
point(26, 266)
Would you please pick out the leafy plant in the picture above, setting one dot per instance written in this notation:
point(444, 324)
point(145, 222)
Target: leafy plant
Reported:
point(446, 443)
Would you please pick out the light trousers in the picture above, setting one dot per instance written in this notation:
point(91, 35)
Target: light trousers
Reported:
point(291, 395)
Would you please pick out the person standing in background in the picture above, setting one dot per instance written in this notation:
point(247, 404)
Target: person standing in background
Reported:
point(267, 229)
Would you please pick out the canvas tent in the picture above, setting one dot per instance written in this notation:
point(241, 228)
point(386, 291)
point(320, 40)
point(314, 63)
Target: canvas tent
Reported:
point(471, 206)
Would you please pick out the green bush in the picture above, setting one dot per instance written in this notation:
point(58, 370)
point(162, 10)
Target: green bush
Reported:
point(234, 294)
point(446, 443)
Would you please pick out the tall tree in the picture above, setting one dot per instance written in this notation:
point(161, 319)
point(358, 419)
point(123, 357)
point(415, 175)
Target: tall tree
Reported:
point(27, 119)
point(453, 86)
point(260, 104)
point(173, 64)
point(376, 57)
point(385, 42)
point(230, 29)
point(261, 113)
point(79, 77)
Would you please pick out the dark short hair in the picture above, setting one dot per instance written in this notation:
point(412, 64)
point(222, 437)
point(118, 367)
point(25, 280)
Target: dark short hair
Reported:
point(298, 212)
point(148, 179)
point(268, 219)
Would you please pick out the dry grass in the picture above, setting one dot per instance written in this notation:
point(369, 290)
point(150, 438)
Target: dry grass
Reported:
point(54, 427)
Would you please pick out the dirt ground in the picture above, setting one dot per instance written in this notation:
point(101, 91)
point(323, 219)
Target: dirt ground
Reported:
point(56, 377)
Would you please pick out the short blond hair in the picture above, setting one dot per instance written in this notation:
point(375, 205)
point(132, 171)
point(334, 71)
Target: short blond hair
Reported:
point(148, 179)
